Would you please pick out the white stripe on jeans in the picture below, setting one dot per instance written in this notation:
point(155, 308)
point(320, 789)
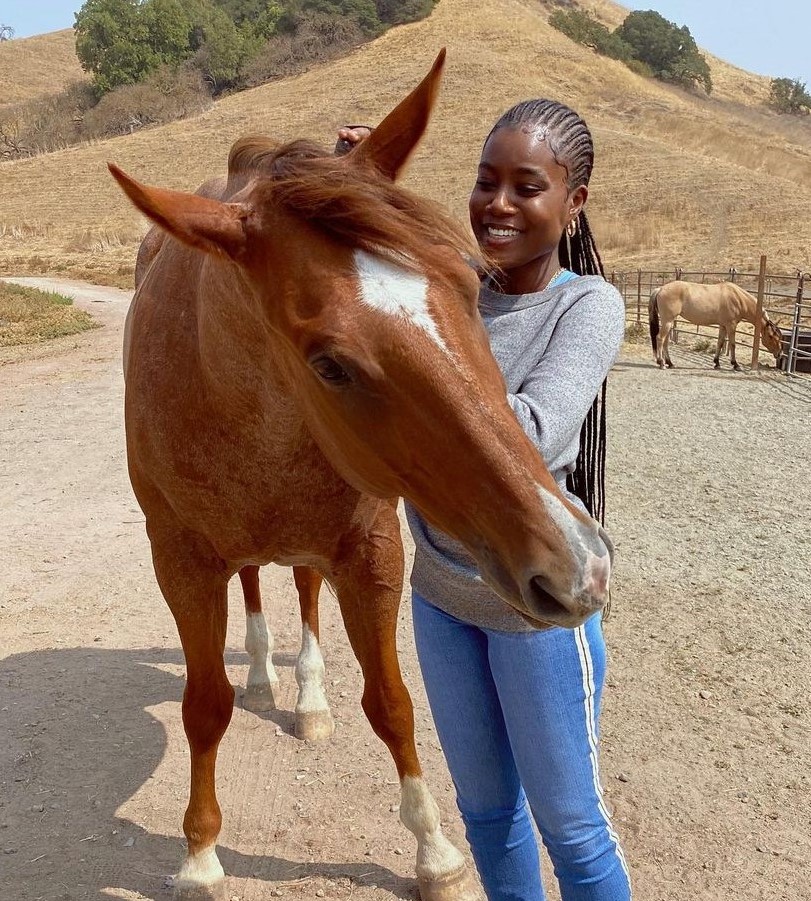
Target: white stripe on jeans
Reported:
point(587, 669)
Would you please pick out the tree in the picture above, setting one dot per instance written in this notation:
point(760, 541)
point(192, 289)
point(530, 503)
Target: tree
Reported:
point(122, 41)
point(6, 32)
point(670, 51)
point(115, 41)
point(581, 27)
point(789, 95)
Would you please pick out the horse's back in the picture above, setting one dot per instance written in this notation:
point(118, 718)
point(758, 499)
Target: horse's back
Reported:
point(701, 304)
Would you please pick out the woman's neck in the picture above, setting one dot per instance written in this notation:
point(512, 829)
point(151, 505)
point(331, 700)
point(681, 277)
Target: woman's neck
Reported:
point(526, 279)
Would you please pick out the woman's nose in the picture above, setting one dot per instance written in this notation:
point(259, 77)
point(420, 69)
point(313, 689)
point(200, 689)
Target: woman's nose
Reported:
point(500, 202)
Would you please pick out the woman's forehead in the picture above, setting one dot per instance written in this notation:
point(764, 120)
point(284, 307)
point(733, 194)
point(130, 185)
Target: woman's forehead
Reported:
point(521, 148)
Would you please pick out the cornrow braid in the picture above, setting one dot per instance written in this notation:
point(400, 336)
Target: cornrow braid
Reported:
point(569, 139)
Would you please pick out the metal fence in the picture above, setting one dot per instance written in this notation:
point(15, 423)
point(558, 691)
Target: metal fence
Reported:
point(786, 299)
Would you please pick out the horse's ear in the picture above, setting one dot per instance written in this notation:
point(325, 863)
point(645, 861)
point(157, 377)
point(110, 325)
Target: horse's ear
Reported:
point(201, 222)
point(390, 145)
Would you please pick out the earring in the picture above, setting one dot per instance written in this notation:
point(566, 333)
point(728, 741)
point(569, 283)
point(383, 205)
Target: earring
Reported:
point(571, 228)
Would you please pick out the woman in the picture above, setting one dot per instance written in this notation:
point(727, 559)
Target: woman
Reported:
point(516, 709)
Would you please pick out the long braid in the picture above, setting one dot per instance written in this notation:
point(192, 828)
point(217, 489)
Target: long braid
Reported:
point(579, 253)
point(570, 141)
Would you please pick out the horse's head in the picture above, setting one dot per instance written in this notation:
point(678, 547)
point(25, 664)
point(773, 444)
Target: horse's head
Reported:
point(773, 340)
point(371, 313)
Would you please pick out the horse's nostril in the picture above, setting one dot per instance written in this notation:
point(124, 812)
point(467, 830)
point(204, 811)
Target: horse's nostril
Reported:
point(543, 604)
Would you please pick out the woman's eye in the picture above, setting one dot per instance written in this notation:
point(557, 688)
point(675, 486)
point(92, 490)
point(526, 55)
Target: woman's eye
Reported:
point(483, 184)
point(529, 190)
point(330, 371)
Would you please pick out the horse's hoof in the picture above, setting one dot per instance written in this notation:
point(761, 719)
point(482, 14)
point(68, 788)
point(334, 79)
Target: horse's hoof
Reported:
point(186, 891)
point(258, 699)
point(716, 366)
point(316, 725)
point(458, 886)
point(671, 365)
point(736, 368)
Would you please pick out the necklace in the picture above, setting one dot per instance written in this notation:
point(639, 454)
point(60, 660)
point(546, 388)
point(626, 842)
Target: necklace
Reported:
point(551, 280)
point(492, 283)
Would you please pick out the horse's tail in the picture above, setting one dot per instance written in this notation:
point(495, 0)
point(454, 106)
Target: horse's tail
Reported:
point(653, 317)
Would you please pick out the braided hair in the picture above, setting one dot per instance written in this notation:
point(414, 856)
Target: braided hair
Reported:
point(569, 139)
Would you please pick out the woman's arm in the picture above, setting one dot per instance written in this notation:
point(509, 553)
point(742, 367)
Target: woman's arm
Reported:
point(554, 399)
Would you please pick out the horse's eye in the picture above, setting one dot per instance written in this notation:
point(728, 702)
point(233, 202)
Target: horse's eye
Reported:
point(330, 371)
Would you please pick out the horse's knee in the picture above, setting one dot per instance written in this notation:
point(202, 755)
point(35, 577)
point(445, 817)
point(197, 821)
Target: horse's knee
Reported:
point(207, 709)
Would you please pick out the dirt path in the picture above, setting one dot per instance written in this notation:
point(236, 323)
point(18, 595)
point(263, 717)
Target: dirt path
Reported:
point(706, 727)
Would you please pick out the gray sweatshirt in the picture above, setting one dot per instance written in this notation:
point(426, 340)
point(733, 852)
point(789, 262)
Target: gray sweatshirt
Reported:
point(554, 348)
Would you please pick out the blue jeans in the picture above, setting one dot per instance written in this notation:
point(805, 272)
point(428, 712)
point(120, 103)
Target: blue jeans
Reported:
point(517, 715)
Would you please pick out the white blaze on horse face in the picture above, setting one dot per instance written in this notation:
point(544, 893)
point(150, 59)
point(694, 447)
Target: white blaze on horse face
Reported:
point(395, 291)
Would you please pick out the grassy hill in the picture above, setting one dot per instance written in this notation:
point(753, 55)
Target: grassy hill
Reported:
point(681, 179)
point(34, 67)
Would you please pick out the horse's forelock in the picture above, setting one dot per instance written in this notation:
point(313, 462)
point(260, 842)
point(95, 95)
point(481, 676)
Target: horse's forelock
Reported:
point(354, 205)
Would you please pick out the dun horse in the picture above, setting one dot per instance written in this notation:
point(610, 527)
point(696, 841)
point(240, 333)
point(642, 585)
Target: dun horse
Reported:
point(303, 348)
point(724, 305)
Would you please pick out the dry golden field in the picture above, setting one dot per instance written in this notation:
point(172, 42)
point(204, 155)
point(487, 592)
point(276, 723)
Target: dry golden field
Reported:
point(681, 179)
point(37, 66)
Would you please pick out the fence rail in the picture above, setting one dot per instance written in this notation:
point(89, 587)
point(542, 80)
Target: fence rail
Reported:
point(785, 298)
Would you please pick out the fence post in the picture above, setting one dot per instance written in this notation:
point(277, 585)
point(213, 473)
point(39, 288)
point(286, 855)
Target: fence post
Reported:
point(638, 296)
point(761, 287)
point(791, 359)
point(732, 273)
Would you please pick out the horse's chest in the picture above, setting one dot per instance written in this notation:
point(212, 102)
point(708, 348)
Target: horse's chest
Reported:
point(262, 492)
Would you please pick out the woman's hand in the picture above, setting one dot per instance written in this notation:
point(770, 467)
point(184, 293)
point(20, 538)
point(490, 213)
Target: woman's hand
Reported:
point(349, 136)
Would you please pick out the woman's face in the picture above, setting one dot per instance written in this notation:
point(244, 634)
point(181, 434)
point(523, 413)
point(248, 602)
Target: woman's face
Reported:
point(521, 204)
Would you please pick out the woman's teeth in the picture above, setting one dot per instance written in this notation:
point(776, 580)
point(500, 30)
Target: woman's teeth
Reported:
point(501, 232)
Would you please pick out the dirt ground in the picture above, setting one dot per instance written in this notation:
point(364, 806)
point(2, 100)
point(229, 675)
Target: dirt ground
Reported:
point(705, 746)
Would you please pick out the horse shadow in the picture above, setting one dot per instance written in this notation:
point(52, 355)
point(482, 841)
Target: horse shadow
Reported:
point(78, 742)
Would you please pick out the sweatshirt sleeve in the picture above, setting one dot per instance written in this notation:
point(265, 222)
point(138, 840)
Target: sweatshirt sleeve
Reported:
point(555, 397)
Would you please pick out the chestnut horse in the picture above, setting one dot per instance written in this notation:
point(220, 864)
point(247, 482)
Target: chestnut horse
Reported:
point(724, 304)
point(303, 348)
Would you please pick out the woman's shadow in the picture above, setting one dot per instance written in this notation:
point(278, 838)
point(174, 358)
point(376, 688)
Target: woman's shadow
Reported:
point(77, 743)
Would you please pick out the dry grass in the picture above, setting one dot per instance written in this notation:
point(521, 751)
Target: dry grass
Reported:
point(28, 316)
point(38, 66)
point(681, 179)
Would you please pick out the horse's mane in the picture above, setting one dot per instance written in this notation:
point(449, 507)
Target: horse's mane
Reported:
point(353, 204)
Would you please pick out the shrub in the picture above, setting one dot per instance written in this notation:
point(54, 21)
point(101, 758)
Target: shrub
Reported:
point(45, 123)
point(168, 94)
point(789, 95)
point(396, 12)
point(317, 37)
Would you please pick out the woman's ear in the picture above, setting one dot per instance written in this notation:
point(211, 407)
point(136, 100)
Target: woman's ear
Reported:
point(577, 200)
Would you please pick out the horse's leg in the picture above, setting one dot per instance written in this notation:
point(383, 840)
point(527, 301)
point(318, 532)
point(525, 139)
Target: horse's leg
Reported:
point(313, 717)
point(731, 339)
point(720, 347)
point(664, 355)
point(369, 588)
point(195, 584)
point(258, 644)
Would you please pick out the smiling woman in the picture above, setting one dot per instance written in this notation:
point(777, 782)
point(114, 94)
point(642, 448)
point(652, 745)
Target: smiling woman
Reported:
point(28, 316)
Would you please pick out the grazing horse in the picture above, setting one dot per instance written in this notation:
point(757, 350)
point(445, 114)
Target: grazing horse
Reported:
point(724, 305)
point(303, 348)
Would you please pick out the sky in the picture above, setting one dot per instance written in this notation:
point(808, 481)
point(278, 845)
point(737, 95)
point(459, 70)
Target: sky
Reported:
point(770, 37)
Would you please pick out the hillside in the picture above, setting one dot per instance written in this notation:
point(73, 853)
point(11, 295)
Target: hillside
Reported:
point(681, 179)
point(37, 66)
